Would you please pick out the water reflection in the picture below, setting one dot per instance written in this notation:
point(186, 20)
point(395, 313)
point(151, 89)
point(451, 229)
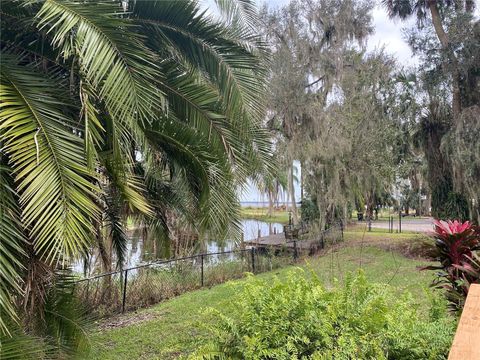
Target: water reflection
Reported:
point(140, 251)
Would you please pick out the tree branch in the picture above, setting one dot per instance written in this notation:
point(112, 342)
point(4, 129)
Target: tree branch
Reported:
point(314, 82)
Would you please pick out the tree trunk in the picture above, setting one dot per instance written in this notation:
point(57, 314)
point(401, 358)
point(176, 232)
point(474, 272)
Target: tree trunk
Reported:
point(104, 255)
point(291, 190)
point(370, 205)
point(439, 171)
point(443, 37)
point(270, 203)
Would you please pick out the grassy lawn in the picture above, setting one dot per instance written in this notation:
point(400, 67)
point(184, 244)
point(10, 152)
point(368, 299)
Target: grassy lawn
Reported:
point(173, 328)
point(280, 216)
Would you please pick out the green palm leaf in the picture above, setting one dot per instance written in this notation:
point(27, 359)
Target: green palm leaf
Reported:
point(55, 187)
point(12, 240)
point(179, 28)
point(111, 56)
point(192, 157)
point(240, 13)
point(185, 154)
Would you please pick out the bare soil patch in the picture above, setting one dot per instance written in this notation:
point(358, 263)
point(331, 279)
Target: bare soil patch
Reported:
point(123, 320)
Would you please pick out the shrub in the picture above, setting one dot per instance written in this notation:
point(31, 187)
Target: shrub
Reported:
point(309, 210)
point(298, 318)
point(455, 248)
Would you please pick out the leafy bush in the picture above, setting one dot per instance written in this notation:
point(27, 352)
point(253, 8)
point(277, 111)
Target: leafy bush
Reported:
point(298, 318)
point(309, 210)
point(455, 247)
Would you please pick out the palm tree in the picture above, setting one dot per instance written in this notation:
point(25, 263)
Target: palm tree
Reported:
point(115, 108)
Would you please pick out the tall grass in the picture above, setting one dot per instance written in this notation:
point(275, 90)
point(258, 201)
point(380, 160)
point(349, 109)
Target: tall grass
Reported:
point(150, 285)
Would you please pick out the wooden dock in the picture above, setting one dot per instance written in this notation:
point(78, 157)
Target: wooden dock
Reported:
point(466, 344)
point(279, 241)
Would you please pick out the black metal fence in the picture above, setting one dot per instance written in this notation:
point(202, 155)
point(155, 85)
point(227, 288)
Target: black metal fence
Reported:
point(147, 284)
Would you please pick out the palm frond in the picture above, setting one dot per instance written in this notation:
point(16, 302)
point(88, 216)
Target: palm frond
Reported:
point(93, 128)
point(113, 222)
point(239, 13)
point(181, 29)
point(20, 346)
point(184, 153)
point(207, 171)
point(12, 240)
point(66, 320)
point(111, 56)
point(129, 186)
point(55, 187)
point(240, 139)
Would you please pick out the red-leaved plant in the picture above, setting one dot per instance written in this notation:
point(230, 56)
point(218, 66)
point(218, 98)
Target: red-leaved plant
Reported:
point(456, 247)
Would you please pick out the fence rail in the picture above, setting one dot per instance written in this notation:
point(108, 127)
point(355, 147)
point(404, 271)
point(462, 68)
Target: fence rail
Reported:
point(147, 284)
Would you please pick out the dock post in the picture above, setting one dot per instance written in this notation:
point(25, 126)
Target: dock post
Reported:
point(259, 233)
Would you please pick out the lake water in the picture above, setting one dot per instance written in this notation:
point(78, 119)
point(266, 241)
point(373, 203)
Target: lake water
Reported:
point(140, 251)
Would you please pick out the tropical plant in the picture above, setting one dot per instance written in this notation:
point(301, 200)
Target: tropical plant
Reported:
point(114, 108)
point(298, 318)
point(456, 247)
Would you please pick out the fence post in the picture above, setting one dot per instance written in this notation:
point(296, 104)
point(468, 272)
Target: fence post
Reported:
point(295, 254)
point(124, 291)
point(400, 221)
point(202, 268)
point(253, 259)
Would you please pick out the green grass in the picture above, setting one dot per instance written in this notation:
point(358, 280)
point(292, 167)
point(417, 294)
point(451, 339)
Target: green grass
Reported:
point(280, 216)
point(173, 329)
